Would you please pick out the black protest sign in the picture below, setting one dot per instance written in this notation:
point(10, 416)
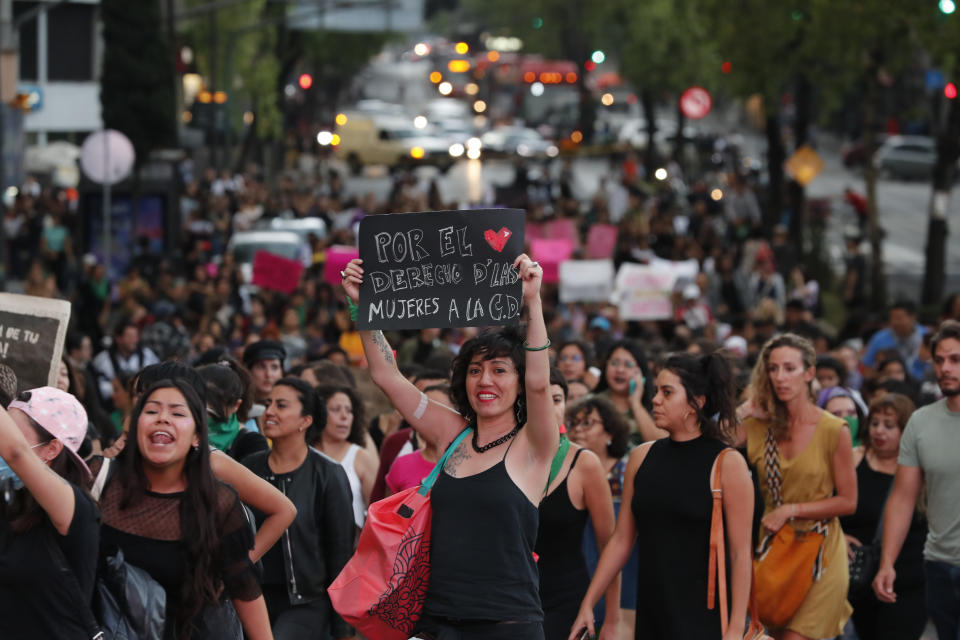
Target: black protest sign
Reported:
point(32, 331)
point(440, 269)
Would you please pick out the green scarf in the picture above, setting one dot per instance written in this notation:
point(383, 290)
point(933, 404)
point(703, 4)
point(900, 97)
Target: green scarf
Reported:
point(222, 434)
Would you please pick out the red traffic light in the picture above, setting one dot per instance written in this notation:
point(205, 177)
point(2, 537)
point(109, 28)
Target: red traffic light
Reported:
point(950, 91)
point(726, 67)
point(589, 65)
point(305, 81)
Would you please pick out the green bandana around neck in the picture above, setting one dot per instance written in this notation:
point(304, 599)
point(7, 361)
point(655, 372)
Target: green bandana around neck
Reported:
point(222, 434)
point(854, 423)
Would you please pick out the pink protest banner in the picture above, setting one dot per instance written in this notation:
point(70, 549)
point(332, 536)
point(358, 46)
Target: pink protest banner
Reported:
point(550, 253)
point(534, 230)
point(275, 272)
point(601, 241)
point(337, 258)
point(563, 229)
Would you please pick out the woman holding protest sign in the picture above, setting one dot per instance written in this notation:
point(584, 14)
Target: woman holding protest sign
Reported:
point(486, 499)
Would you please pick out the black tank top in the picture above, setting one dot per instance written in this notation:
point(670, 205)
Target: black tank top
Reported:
point(563, 569)
point(481, 549)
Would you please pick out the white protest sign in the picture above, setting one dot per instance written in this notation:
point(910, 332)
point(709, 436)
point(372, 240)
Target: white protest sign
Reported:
point(643, 290)
point(586, 280)
point(32, 332)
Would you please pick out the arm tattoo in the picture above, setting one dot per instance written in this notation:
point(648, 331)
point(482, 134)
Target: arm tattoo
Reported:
point(384, 347)
point(456, 458)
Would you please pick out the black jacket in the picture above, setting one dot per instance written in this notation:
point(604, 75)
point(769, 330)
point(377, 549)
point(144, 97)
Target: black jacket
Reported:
point(320, 541)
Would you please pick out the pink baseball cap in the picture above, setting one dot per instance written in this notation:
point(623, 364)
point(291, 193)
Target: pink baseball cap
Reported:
point(60, 414)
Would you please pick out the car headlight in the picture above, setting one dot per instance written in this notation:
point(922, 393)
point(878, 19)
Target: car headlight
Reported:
point(553, 151)
point(456, 150)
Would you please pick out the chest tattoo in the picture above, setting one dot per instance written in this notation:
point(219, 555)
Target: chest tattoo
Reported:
point(457, 458)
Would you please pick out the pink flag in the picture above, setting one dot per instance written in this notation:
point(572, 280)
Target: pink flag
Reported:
point(275, 272)
point(337, 258)
point(550, 253)
point(563, 229)
point(601, 241)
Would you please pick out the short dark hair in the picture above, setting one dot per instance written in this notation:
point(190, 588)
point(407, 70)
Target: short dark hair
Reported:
point(430, 374)
point(508, 342)
point(947, 329)
point(829, 362)
point(357, 427)
point(556, 378)
point(614, 423)
point(906, 305)
point(310, 403)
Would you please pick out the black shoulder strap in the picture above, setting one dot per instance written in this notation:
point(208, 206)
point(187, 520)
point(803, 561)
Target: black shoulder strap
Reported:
point(574, 461)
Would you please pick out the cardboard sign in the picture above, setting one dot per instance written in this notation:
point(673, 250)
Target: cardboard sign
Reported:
point(32, 332)
point(586, 281)
point(643, 290)
point(440, 269)
point(336, 260)
point(550, 253)
point(601, 241)
point(275, 272)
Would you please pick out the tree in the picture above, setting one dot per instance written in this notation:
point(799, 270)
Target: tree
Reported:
point(663, 46)
point(136, 88)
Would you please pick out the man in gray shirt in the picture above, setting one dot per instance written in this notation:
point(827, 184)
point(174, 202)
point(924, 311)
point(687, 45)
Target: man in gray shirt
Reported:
point(929, 454)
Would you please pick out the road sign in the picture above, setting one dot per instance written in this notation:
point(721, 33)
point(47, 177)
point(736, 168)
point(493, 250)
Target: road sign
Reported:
point(106, 157)
point(695, 103)
point(804, 165)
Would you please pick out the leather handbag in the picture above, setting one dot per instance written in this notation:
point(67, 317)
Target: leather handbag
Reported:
point(382, 588)
point(788, 562)
point(717, 580)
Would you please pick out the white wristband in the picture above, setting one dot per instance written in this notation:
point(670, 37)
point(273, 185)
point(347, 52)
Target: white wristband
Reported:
point(422, 407)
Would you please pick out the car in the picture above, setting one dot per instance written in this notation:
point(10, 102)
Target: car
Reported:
point(303, 227)
point(244, 245)
point(521, 141)
point(906, 157)
point(390, 140)
point(634, 133)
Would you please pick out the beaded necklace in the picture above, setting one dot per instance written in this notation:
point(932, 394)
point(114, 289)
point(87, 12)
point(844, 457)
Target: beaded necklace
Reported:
point(497, 442)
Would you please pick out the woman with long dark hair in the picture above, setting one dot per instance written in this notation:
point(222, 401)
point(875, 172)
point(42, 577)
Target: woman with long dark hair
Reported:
point(314, 549)
point(483, 578)
point(624, 381)
point(667, 486)
point(809, 454)
point(170, 516)
point(49, 521)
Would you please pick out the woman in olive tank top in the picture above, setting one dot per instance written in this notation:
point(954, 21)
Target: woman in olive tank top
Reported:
point(483, 577)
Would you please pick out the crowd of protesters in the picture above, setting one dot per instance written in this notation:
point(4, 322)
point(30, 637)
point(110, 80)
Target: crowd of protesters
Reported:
point(233, 437)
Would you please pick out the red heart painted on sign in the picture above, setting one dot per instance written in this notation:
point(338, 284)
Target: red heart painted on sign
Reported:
point(499, 239)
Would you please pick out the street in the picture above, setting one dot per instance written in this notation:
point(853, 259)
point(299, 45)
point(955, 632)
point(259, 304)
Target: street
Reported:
point(903, 206)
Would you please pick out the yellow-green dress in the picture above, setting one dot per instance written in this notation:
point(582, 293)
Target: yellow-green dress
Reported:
point(806, 478)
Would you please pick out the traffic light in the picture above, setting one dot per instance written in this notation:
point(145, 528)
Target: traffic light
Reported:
point(950, 90)
point(598, 56)
point(305, 81)
point(947, 6)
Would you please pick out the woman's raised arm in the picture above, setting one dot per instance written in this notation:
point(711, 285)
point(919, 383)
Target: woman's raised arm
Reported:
point(432, 420)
